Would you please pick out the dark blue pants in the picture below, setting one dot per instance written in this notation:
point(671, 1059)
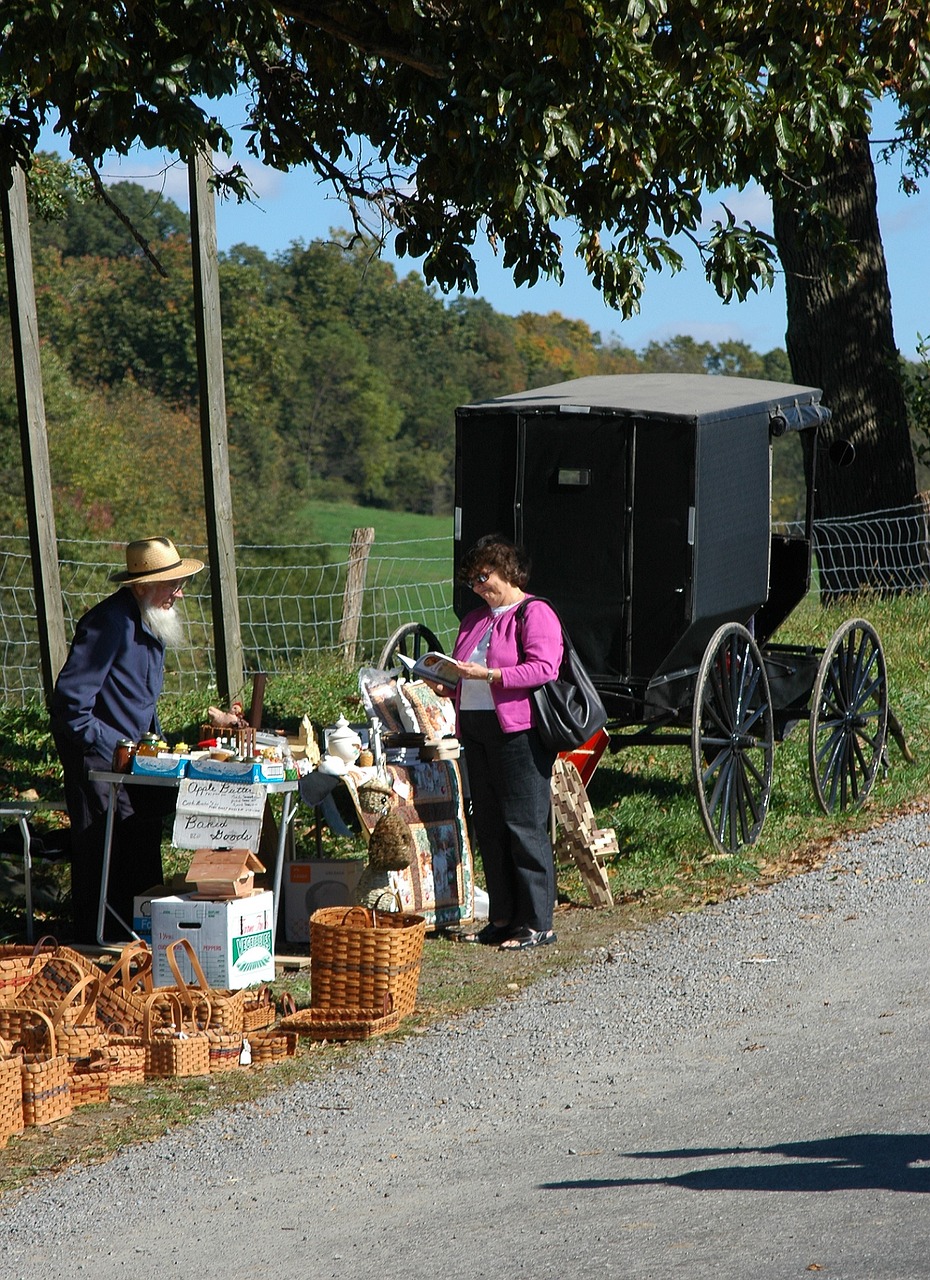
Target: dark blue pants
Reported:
point(509, 775)
point(135, 862)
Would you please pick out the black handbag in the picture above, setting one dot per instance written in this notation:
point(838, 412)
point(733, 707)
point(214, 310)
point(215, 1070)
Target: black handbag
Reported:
point(569, 709)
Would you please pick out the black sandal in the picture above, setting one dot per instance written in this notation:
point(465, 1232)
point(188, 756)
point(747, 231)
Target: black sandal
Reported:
point(527, 937)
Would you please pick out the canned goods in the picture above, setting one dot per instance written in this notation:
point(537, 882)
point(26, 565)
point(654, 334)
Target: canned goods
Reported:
point(122, 755)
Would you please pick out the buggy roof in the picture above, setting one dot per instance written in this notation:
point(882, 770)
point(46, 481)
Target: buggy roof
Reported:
point(691, 396)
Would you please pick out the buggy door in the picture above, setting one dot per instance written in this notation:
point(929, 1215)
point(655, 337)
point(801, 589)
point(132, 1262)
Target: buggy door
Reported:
point(572, 512)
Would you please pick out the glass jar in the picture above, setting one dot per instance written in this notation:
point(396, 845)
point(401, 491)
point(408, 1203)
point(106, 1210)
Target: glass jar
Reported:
point(122, 755)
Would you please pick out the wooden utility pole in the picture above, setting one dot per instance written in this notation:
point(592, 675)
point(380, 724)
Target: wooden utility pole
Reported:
point(37, 481)
point(213, 436)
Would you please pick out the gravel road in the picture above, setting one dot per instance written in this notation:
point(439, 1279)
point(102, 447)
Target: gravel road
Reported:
point(733, 1093)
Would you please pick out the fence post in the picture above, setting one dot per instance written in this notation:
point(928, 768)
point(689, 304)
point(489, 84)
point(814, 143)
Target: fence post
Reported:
point(359, 551)
point(37, 480)
point(213, 432)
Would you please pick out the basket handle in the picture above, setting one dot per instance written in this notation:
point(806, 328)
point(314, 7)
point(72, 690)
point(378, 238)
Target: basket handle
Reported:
point(132, 970)
point(394, 896)
point(367, 915)
point(46, 943)
point(89, 987)
point(288, 1003)
point(49, 1029)
point(194, 962)
point(177, 1013)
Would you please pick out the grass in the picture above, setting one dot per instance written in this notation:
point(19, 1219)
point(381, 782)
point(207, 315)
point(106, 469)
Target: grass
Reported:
point(333, 522)
point(644, 793)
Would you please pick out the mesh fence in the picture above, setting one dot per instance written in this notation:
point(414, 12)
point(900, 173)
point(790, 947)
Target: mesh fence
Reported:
point(290, 605)
point(291, 598)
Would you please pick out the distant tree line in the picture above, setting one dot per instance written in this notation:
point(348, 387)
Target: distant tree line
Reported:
point(342, 377)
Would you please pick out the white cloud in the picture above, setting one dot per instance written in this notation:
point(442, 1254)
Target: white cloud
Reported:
point(749, 205)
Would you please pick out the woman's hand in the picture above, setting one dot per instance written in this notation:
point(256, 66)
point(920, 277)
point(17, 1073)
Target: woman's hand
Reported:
point(475, 671)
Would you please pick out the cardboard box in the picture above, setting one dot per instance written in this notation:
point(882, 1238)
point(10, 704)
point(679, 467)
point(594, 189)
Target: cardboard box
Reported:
point(166, 765)
point(312, 884)
point(234, 940)
point(208, 770)
point(142, 910)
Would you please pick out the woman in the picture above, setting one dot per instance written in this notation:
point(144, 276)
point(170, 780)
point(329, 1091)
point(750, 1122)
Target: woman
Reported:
point(508, 646)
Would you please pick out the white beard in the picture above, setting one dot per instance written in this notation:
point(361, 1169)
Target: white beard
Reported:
point(166, 625)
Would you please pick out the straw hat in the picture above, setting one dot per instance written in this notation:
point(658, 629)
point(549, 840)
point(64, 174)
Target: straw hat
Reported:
point(155, 560)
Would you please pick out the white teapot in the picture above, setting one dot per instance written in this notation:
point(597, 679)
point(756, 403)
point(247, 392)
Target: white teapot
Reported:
point(343, 742)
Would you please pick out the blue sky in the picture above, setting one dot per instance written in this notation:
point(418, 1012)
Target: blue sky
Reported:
point(295, 206)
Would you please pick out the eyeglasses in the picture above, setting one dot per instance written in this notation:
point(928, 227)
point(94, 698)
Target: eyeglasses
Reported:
point(478, 580)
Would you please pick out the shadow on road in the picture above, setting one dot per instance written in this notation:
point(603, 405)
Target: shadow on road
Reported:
point(891, 1161)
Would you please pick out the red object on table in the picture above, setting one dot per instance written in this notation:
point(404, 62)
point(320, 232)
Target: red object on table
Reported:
point(587, 757)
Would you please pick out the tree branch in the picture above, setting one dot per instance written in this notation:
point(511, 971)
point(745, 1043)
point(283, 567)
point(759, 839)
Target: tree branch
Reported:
point(372, 43)
point(103, 194)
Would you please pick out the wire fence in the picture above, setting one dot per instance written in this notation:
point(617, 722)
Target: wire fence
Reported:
point(290, 605)
point(291, 597)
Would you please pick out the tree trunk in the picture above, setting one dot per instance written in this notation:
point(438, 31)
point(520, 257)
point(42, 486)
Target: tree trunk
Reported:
point(840, 338)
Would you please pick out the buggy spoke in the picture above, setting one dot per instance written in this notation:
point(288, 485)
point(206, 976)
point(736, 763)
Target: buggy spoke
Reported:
point(849, 716)
point(732, 739)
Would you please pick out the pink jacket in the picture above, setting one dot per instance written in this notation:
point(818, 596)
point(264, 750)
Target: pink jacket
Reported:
point(524, 665)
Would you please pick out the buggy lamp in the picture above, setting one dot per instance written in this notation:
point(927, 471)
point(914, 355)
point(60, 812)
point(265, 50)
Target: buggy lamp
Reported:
point(573, 477)
point(778, 425)
point(842, 453)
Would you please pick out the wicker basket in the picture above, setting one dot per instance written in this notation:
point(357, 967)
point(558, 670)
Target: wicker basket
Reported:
point(90, 1079)
point(15, 1022)
point(173, 1049)
point(58, 980)
point(127, 1057)
point(20, 964)
point(268, 1047)
point(78, 1040)
point(225, 1006)
point(46, 1079)
point(258, 1011)
point(225, 1050)
point(341, 1024)
point(124, 988)
point(11, 1094)
point(358, 957)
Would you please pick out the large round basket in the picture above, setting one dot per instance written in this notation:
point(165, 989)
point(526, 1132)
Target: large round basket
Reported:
point(358, 957)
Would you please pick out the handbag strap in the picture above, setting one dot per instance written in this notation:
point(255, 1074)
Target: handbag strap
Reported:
point(521, 614)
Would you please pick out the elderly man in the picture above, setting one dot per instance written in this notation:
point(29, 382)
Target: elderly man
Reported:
point(107, 690)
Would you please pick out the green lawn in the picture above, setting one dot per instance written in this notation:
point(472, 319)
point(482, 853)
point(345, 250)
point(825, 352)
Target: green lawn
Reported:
point(333, 522)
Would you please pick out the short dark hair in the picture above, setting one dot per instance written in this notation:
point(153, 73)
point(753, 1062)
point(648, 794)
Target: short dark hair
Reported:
point(498, 554)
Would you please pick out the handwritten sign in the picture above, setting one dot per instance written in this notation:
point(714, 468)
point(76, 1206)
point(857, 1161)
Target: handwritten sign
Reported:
point(218, 815)
point(245, 799)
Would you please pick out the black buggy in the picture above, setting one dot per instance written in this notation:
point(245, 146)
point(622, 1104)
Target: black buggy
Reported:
point(644, 501)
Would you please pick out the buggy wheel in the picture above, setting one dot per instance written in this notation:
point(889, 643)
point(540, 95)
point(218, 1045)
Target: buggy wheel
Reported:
point(732, 739)
point(849, 717)
point(413, 639)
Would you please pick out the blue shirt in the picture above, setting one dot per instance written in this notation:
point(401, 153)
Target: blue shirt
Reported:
point(112, 678)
